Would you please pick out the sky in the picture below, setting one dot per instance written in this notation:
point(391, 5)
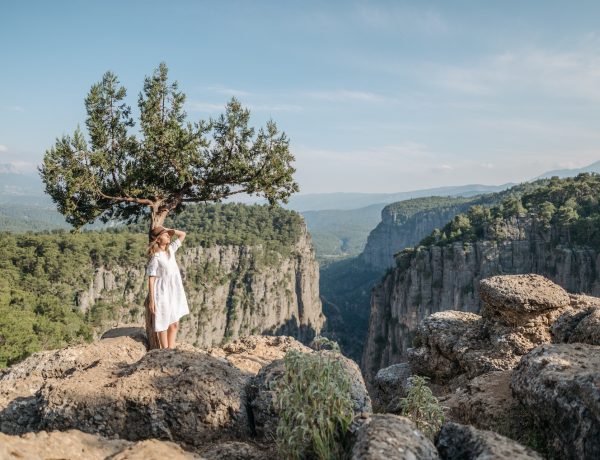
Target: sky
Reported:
point(376, 97)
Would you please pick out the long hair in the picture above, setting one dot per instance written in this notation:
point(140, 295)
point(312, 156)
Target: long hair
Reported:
point(154, 248)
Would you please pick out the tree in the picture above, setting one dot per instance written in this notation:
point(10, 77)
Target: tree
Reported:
point(116, 176)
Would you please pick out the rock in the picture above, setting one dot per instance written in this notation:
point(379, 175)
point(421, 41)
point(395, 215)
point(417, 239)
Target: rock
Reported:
point(19, 384)
point(523, 293)
point(390, 437)
point(391, 385)
point(579, 325)
point(460, 442)
point(438, 334)
point(135, 331)
point(250, 354)
point(516, 319)
point(261, 396)
point(182, 396)
point(560, 384)
point(75, 445)
point(239, 451)
point(487, 403)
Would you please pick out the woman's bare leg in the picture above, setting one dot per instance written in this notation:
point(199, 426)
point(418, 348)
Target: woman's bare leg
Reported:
point(163, 339)
point(172, 334)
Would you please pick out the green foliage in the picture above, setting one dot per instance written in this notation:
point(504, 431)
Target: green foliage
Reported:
point(114, 175)
point(314, 406)
point(422, 408)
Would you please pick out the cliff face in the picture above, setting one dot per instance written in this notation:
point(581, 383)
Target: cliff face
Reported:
point(391, 236)
point(231, 290)
point(446, 278)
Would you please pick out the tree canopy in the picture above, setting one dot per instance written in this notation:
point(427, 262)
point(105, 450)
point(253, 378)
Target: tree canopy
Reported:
point(118, 176)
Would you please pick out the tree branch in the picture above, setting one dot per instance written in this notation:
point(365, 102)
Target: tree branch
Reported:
point(199, 200)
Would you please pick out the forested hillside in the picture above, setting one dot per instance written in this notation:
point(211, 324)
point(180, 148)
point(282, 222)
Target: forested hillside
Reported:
point(42, 273)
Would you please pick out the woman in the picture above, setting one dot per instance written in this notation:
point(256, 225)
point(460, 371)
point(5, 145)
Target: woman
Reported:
point(167, 297)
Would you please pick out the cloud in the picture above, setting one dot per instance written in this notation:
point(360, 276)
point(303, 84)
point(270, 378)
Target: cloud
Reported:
point(232, 92)
point(402, 17)
point(3, 148)
point(212, 108)
point(443, 168)
point(348, 96)
point(487, 165)
point(21, 164)
point(16, 108)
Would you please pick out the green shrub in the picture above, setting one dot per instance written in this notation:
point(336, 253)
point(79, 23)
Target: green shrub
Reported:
point(422, 408)
point(314, 406)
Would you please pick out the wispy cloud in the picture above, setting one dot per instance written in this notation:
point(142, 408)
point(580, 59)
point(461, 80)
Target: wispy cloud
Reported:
point(21, 164)
point(202, 107)
point(228, 91)
point(443, 168)
point(213, 108)
point(3, 148)
point(348, 96)
point(15, 108)
point(401, 16)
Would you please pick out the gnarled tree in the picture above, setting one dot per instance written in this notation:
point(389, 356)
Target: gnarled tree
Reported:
point(118, 176)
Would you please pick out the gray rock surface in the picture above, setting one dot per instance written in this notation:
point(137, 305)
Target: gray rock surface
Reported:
point(391, 437)
point(460, 442)
point(560, 385)
point(391, 384)
point(452, 343)
point(261, 395)
point(240, 451)
point(75, 445)
point(20, 384)
point(445, 278)
point(522, 293)
point(182, 396)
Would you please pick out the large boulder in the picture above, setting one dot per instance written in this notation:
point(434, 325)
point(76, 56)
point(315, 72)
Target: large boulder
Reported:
point(516, 318)
point(391, 437)
point(182, 396)
point(75, 445)
point(392, 383)
point(261, 396)
point(560, 385)
point(460, 442)
point(580, 325)
point(240, 451)
point(20, 384)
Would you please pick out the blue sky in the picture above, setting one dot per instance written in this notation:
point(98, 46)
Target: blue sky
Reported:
point(375, 96)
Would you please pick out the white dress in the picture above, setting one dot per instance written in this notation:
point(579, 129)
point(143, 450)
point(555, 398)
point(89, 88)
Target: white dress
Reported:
point(169, 297)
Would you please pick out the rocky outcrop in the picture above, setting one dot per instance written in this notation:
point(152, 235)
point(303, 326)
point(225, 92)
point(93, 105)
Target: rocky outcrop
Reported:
point(460, 442)
point(261, 395)
point(560, 384)
point(75, 445)
point(517, 316)
point(445, 278)
point(580, 325)
point(180, 396)
point(394, 233)
point(195, 398)
point(20, 385)
point(390, 437)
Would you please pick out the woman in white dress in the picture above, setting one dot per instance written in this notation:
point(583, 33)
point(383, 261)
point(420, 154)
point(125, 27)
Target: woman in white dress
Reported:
point(167, 297)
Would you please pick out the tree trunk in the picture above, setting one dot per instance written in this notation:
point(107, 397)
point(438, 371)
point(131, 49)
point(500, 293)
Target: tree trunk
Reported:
point(153, 343)
point(157, 219)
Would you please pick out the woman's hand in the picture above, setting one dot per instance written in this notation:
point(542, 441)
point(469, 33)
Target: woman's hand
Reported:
point(152, 307)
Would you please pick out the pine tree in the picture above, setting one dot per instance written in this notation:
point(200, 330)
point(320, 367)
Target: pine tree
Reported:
point(116, 176)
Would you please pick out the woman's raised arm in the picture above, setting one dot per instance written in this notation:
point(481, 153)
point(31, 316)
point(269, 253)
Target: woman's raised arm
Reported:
point(180, 235)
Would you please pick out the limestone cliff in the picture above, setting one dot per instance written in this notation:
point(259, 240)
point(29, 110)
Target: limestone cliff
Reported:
point(445, 278)
point(394, 234)
point(232, 291)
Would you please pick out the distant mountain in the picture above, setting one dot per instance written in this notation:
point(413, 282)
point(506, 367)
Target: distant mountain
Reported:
point(340, 200)
point(594, 167)
point(13, 183)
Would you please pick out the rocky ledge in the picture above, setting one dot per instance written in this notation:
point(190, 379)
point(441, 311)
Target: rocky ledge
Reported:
point(115, 400)
point(528, 368)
